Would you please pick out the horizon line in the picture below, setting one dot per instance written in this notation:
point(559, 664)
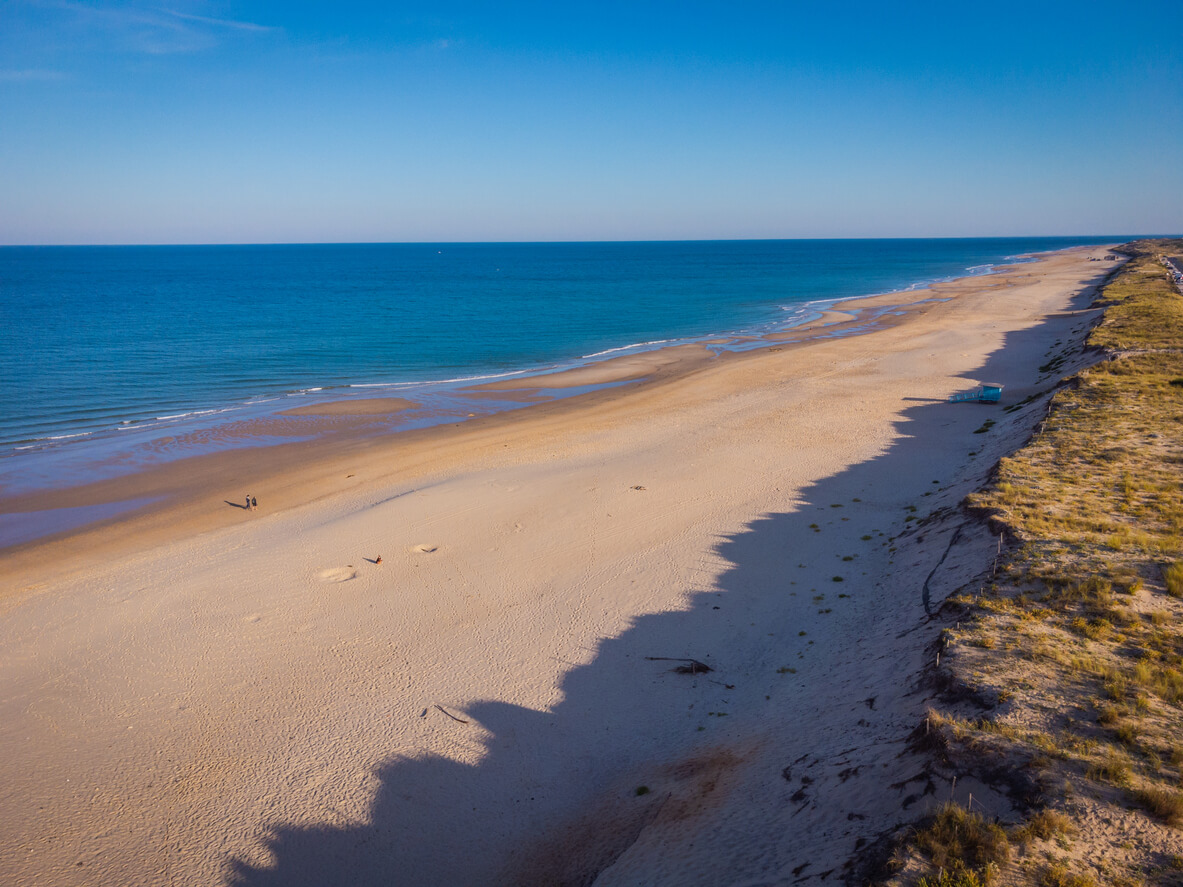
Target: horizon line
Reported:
point(1117, 237)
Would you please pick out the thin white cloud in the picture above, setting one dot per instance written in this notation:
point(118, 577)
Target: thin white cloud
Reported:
point(30, 74)
point(220, 22)
point(138, 27)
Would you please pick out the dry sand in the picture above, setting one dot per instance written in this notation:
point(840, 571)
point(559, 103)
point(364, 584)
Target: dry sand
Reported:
point(204, 694)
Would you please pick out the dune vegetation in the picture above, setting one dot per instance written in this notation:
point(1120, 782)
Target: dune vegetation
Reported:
point(1062, 669)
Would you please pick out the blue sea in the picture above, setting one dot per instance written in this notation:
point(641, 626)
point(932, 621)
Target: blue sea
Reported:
point(107, 350)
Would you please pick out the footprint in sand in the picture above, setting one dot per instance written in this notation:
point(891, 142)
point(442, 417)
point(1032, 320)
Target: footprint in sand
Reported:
point(424, 548)
point(337, 574)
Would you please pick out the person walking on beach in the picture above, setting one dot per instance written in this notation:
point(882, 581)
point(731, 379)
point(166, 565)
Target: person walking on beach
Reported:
point(254, 503)
point(248, 501)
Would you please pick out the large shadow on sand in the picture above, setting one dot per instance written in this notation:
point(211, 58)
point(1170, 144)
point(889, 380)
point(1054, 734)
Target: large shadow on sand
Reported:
point(533, 757)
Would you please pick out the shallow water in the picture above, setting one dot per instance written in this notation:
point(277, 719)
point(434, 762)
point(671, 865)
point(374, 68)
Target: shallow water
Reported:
point(105, 349)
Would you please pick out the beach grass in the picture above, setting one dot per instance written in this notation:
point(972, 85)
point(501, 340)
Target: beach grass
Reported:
point(1077, 636)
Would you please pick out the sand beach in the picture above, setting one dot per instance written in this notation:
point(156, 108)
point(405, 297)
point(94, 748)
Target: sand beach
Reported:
point(201, 694)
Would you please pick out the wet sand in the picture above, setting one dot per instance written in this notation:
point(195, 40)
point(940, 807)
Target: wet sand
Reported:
point(374, 406)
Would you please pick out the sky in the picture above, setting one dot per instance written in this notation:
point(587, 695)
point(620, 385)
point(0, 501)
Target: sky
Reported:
point(178, 121)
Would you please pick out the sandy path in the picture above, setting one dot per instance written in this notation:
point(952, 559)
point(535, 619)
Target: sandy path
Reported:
point(259, 703)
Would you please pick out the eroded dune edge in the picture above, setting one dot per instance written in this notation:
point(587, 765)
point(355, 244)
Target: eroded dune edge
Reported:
point(1060, 673)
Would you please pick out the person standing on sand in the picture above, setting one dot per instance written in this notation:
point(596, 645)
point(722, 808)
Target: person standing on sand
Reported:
point(254, 503)
point(248, 501)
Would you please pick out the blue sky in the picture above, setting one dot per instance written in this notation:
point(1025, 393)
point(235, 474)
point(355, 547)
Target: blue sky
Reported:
point(220, 122)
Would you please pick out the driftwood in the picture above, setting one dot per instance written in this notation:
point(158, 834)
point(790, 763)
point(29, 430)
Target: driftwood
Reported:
point(452, 716)
point(688, 666)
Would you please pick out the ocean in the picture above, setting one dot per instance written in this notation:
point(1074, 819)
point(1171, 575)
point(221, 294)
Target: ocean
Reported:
point(107, 349)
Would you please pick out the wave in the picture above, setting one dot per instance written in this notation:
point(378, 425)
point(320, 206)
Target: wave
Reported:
point(193, 413)
point(42, 442)
point(635, 345)
point(480, 378)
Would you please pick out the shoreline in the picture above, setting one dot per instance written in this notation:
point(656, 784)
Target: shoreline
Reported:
point(173, 492)
point(222, 696)
point(53, 463)
point(337, 426)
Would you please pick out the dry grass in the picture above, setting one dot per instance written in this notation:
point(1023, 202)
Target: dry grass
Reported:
point(1167, 805)
point(1057, 875)
point(1114, 768)
point(1045, 825)
point(958, 840)
point(960, 878)
point(1173, 578)
point(1090, 600)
